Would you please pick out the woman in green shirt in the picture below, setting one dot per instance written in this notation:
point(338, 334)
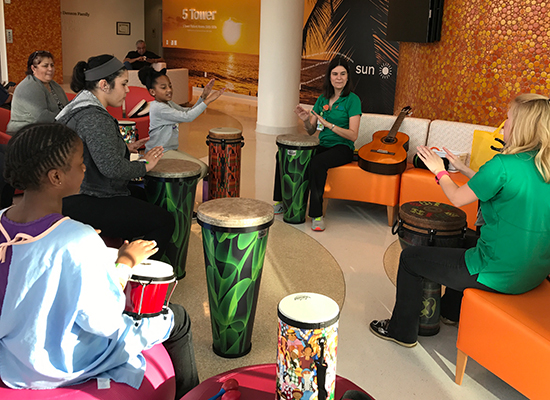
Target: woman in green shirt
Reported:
point(512, 254)
point(336, 116)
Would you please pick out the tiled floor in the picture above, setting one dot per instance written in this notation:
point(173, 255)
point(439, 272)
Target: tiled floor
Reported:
point(357, 236)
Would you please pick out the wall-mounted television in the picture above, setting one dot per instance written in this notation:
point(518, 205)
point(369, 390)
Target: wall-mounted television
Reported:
point(415, 20)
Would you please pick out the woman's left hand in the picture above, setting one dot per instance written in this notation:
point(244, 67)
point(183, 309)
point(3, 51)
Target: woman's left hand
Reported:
point(138, 144)
point(323, 121)
point(431, 159)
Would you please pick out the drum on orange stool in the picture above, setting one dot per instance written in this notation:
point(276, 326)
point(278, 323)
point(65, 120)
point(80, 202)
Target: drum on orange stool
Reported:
point(427, 223)
point(172, 185)
point(147, 288)
point(224, 162)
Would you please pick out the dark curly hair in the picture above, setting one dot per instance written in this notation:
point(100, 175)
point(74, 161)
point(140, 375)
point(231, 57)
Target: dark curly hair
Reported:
point(36, 58)
point(148, 76)
point(36, 149)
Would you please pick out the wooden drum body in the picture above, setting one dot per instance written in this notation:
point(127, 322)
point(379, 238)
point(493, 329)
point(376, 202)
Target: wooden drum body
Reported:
point(172, 185)
point(294, 155)
point(234, 236)
point(427, 223)
point(224, 162)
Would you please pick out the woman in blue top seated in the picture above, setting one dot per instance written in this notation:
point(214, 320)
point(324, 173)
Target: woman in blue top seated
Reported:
point(61, 290)
point(512, 254)
point(336, 116)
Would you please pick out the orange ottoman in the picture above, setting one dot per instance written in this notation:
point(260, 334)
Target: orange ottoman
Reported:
point(349, 182)
point(419, 185)
point(509, 335)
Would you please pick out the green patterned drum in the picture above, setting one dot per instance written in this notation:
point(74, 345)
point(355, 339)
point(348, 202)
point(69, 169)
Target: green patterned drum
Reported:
point(172, 185)
point(234, 237)
point(295, 153)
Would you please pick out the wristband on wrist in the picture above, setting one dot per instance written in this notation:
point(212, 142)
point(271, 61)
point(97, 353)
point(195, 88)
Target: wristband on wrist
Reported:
point(441, 175)
point(332, 127)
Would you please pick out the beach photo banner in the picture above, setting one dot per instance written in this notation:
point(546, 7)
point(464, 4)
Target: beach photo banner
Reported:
point(214, 39)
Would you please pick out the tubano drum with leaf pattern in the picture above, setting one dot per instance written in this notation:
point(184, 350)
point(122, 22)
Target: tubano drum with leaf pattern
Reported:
point(294, 155)
point(234, 237)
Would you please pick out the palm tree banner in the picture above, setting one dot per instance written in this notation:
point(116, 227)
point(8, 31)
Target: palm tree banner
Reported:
point(355, 29)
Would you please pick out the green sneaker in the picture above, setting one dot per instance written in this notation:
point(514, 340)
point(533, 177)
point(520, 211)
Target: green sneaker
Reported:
point(318, 224)
point(278, 208)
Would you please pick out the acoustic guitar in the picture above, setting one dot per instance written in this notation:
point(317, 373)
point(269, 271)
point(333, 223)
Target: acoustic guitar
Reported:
point(387, 153)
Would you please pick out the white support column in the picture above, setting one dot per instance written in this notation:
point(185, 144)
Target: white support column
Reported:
point(280, 64)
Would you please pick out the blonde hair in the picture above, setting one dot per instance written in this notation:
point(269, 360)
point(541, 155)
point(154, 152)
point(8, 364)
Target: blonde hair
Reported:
point(530, 130)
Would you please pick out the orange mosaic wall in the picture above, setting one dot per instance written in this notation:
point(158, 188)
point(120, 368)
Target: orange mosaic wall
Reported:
point(36, 25)
point(490, 51)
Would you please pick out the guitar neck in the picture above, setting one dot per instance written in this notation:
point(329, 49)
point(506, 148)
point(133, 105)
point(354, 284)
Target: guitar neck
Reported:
point(397, 123)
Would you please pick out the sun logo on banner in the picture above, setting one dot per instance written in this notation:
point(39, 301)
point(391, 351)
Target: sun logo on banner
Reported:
point(385, 71)
point(231, 31)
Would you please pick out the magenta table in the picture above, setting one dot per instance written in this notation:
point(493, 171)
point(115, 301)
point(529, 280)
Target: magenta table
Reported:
point(257, 382)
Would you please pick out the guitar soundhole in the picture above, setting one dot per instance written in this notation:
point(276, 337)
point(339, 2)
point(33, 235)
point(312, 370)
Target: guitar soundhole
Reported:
point(389, 140)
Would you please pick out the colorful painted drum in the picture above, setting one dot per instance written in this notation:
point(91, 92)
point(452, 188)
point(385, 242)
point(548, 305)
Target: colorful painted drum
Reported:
point(128, 130)
point(428, 223)
point(172, 185)
point(224, 162)
point(308, 338)
point(234, 237)
point(147, 288)
point(295, 153)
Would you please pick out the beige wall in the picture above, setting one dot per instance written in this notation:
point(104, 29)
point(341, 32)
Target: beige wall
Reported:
point(93, 32)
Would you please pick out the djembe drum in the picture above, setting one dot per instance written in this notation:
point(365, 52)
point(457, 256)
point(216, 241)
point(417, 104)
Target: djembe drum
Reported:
point(427, 223)
point(234, 237)
point(294, 155)
point(224, 162)
point(172, 185)
point(308, 338)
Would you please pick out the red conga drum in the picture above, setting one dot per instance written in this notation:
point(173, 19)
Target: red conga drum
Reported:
point(224, 162)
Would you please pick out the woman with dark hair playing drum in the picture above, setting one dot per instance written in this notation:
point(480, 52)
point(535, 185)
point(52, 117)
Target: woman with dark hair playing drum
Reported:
point(336, 115)
point(106, 200)
point(512, 255)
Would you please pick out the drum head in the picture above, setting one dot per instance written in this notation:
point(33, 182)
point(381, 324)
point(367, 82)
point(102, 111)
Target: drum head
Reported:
point(175, 168)
point(141, 109)
point(153, 271)
point(432, 215)
point(235, 212)
point(225, 133)
point(305, 309)
point(296, 139)
point(125, 123)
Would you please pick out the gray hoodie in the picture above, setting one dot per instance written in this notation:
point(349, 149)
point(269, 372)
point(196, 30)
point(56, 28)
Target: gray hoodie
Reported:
point(106, 156)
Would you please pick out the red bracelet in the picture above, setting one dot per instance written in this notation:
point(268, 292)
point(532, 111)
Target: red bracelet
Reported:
point(440, 175)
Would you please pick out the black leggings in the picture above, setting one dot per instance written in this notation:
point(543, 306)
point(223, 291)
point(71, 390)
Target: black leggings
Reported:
point(438, 264)
point(324, 159)
point(126, 217)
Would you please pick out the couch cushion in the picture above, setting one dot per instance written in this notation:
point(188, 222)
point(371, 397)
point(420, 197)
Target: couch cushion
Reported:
point(415, 128)
point(457, 136)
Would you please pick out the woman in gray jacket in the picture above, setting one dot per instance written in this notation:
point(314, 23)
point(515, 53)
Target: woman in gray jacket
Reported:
point(37, 98)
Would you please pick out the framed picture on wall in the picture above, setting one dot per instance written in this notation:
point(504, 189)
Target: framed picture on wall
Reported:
point(122, 28)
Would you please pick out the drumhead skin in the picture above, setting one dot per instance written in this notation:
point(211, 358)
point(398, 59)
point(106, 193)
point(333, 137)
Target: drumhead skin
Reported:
point(126, 123)
point(298, 140)
point(433, 215)
point(153, 271)
point(308, 310)
point(225, 133)
point(175, 168)
point(236, 212)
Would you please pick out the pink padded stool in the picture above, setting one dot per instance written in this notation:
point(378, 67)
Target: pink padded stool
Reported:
point(159, 383)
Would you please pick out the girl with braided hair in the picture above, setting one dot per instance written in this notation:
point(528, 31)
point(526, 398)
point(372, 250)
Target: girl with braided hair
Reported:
point(165, 115)
point(106, 200)
point(61, 293)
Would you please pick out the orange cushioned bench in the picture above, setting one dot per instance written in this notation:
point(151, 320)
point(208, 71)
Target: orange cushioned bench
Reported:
point(510, 336)
point(350, 182)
